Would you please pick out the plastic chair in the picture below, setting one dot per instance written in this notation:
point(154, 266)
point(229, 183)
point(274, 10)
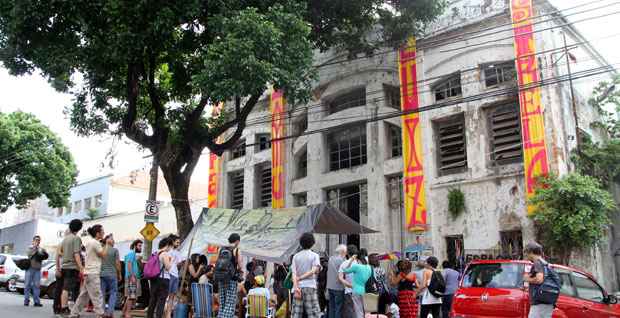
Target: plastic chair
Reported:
point(202, 299)
point(371, 303)
point(258, 307)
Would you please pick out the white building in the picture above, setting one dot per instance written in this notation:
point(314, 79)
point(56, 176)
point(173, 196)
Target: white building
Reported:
point(473, 145)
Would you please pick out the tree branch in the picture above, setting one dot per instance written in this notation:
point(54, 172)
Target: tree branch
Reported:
point(129, 120)
point(239, 121)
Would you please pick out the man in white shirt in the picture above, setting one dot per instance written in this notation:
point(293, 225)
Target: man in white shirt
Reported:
point(177, 258)
point(91, 287)
point(306, 265)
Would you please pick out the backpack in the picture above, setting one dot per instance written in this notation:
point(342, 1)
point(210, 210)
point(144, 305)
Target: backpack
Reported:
point(152, 268)
point(225, 266)
point(549, 291)
point(372, 286)
point(437, 285)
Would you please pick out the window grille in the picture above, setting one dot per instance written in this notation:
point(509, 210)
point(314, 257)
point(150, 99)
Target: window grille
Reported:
point(354, 98)
point(495, 74)
point(347, 148)
point(392, 96)
point(265, 185)
point(236, 186)
point(505, 128)
point(263, 142)
point(451, 148)
point(238, 151)
point(448, 88)
point(396, 141)
point(302, 165)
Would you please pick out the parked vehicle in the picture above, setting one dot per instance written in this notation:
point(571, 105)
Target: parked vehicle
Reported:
point(48, 279)
point(9, 271)
point(495, 288)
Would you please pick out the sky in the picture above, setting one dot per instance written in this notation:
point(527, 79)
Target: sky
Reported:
point(33, 94)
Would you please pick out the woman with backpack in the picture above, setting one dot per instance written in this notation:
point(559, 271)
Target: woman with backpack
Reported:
point(431, 304)
point(160, 282)
point(406, 283)
point(380, 277)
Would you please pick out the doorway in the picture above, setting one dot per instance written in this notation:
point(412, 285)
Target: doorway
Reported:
point(511, 243)
point(348, 200)
point(454, 251)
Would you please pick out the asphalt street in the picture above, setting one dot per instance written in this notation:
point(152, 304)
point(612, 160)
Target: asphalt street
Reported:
point(12, 305)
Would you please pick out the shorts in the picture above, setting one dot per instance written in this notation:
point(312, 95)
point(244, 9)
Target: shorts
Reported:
point(70, 279)
point(132, 290)
point(174, 285)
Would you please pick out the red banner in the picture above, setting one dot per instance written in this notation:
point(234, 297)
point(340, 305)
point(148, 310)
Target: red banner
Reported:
point(532, 120)
point(214, 169)
point(277, 106)
point(413, 173)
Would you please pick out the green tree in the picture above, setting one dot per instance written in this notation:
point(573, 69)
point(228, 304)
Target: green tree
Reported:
point(573, 213)
point(148, 69)
point(33, 162)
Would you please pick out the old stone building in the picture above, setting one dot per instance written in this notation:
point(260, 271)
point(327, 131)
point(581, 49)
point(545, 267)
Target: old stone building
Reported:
point(465, 63)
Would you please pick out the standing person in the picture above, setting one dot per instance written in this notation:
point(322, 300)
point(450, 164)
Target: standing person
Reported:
point(306, 265)
point(91, 286)
point(381, 279)
point(132, 277)
point(226, 274)
point(406, 282)
point(177, 258)
point(348, 307)
point(430, 303)
point(334, 287)
point(160, 285)
point(361, 273)
point(536, 277)
point(32, 283)
point(451, 277)
point(70, 264)
point(110, 275)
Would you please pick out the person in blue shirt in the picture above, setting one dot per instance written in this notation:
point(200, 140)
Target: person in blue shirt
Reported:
point(451, 277)
point(361, 273)
point(132, 276)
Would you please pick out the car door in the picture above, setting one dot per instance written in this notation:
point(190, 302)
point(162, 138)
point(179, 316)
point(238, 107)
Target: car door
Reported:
point(568, 304)
point(592, 297)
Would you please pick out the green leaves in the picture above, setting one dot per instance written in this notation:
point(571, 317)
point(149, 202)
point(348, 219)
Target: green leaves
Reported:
point(573, 211)
point(33, 163)
point(456, 202)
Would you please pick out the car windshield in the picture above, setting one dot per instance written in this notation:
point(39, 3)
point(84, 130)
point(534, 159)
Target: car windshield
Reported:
point(502, 275)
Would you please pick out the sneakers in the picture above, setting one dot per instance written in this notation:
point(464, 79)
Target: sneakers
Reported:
point(26, 304)
point(38, 305)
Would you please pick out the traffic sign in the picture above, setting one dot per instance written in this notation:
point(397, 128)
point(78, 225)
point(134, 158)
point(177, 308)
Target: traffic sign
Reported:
point(149, 232)
point(151, 211)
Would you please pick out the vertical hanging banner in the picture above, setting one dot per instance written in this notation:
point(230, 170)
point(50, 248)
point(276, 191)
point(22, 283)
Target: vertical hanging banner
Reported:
point(214, 168)
point(413, 173)
point(277, 108)
point(532, 120)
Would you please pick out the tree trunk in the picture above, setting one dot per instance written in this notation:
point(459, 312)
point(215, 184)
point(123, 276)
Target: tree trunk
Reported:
point(178, 185)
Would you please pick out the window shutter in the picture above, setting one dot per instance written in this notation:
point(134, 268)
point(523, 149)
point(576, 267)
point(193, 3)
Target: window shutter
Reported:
point(451, 145)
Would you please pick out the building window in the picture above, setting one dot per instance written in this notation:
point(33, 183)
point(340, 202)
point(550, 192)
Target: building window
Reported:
point(354, 98)
point(77, 206)
point(301, 125)
point(236, 185)
point(263, 142)
point(395, 192)
point(300, 199)
point(238, 151)
point(451, 145)
point(447, 88)
point(495, 74)
point(98, 200)
point(392, 96)
point(505, 129)
point(396, 141)
point(68, 208)
point(302, 165)
point(87, 203)
point(264, 186)
point(347, 148)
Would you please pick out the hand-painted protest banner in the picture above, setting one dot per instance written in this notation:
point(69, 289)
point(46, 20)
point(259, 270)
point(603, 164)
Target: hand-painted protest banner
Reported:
point(277, 106)
point(214, 168)
point(413, 173)
point(532, 120)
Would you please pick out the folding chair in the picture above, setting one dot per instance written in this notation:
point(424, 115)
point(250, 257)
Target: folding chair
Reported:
point(202, 300)
point(258, 307)
point(371, 303)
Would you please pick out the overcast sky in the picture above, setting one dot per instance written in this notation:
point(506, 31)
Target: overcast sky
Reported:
point(33, 94)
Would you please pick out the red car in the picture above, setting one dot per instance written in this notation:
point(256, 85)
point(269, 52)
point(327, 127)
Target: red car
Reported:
point(495, 288)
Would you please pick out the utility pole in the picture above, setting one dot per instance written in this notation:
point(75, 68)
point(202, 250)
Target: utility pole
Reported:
point(572, 94)
point(154, 175)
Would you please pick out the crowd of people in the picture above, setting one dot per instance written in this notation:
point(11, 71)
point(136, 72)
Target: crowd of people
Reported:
point(88, 270)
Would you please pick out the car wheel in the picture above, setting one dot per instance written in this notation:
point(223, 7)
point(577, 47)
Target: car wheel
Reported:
point(11, 285)
point(51, 290)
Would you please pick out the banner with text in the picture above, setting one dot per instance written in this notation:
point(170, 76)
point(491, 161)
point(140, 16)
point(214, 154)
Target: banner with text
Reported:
point(214, 167)
point(277, 106)
point(413, 173)
point(532, 120)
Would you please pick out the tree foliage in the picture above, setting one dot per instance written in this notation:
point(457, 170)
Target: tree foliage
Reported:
point(33, 162)
point(572, 213)
point(148, 69)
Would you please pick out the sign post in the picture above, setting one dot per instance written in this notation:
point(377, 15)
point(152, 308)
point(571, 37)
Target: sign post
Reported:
point(148, 243)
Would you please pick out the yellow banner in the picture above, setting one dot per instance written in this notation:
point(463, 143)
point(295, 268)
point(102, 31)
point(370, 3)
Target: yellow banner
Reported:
point(532, 120)
point(214, 168)
point(277, 106)
point(413, 173)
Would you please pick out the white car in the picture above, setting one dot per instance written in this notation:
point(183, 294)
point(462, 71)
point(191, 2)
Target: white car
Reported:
point(9, 272)
point(48, 279)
